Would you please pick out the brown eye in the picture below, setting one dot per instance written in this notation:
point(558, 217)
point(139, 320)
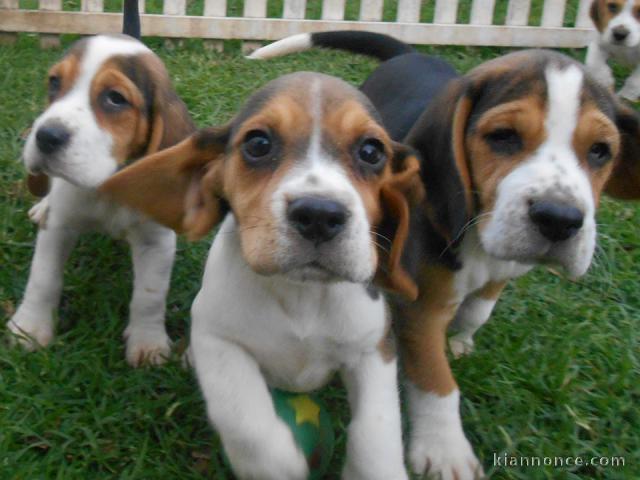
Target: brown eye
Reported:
point(599, 154)
point(257, 146)
point(504, 141)
point(371, 154)
point(113, 101)
point(613, 7)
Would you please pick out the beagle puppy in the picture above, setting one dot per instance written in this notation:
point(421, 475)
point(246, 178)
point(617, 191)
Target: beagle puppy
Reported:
point(110, 102)
point(318, 199)
point(618, 37)
point(515, 156)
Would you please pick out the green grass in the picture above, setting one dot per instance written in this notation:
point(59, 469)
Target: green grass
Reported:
point(555, 372)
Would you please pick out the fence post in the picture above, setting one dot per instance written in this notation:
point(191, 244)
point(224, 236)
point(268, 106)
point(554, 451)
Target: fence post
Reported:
point(7, 38)
point(215, 8)
point(48, 40)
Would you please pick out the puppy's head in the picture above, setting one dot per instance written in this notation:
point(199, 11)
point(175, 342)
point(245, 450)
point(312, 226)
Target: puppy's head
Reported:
point(110, 101)
point(312, 179)
point(527, 148)
point(617, 21)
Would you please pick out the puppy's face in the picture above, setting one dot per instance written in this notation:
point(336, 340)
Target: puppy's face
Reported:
point(534, 141)
point(305, 169)
point(618, 21)
point(107, 98)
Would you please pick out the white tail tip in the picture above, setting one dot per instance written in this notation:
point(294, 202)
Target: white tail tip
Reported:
point(292, 44)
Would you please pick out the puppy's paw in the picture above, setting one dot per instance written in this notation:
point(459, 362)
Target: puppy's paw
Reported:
point(461, 346)
point(631, 93)
point(446, 455)
point(147, 346)
point(274, 457)
point(30, 331)
point(39, 212)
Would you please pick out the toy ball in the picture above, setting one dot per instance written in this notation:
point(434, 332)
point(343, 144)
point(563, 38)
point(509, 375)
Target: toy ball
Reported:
point(311, 426)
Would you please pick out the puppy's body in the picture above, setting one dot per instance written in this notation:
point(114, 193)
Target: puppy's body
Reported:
point(618, 37)
point(515, 155)
point(110, 102)
point(310, 178)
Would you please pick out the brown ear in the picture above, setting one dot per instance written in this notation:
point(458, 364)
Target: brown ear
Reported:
point(624, 181)
point(439, 137)
point(38, 184)
point(180, 187)
point(402, 191)
point(594, 13)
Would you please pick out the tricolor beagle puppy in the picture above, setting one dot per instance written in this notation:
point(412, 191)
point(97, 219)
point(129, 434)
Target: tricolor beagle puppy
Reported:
point(618, 37)
point(318, 196)
point(110, 102)
point(515, 155)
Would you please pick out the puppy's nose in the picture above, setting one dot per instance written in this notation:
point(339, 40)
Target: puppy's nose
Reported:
point(556, 221)
point(317, 219)
point(52, 137)
point(620, 33)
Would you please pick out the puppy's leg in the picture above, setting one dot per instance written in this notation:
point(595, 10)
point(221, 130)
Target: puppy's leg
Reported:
point(259, 445)
point(437, 443)
point(374, 445)
point(153, 249)
point(33, 322)
point(596, 63)
point(631, 88)
point(472, 314)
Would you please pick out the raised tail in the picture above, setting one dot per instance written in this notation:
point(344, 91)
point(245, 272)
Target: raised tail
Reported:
point(131, 19)
point(377, 45)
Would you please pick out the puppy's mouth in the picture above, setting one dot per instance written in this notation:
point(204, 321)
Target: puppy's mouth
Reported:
point(314, 271)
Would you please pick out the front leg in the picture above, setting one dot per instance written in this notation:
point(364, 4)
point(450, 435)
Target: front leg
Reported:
point(631, 88)
point(472, 314)
point(596, 64)
point(374, 445)
point(153, 250)
point(437, 443)
point(33, 322)
point(258, 443)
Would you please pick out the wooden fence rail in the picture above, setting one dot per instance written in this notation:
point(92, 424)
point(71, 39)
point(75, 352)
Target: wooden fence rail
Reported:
point(554, 28)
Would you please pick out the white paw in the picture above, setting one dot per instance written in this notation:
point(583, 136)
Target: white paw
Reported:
point(39, 212)
point(186, 359)
point(272, 457)
point(446, 455)
point(147, 346)
point(364, 472)
point(629, 93)
point(460, 346)
point(31, 331)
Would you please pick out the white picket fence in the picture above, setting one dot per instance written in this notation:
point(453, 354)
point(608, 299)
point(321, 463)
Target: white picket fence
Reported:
point(255, 25)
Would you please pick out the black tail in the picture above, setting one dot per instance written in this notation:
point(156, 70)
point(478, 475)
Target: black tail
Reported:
point(377, 45)
point(131, 19)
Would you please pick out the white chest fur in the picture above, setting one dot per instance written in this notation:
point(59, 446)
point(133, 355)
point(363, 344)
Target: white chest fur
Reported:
point(299, 333)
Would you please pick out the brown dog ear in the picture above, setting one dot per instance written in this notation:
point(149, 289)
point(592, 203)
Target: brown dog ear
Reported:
point(38, 184)
point(398, 194)
point(180, 187)
point(594, 13)
point(439, 137)
point(624, 181)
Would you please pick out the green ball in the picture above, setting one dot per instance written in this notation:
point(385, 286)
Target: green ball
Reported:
point(311, 426)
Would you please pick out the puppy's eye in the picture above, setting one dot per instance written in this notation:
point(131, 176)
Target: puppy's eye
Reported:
point(612, 7)
point(599, 154)
point(113, 101)
point(371, 153)
point(505, 141)
point(257, 145)
point(54, 86)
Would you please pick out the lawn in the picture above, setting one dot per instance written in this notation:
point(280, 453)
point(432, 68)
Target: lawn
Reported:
point(555, 373)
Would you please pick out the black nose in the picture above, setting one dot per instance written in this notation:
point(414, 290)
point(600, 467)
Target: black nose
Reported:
point(556, 221)
point(52, 137)
point(620, 33)
point(317, 219)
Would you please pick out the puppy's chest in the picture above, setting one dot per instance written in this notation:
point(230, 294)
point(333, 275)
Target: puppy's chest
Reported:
point(629, 56)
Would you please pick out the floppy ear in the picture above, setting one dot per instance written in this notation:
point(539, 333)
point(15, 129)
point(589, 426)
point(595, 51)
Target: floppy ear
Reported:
point(180, 187)
point(170, 119)
point(38, 184)
point(594, 13)
point(439, 137)
point(398, 194)
point(624, 181)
